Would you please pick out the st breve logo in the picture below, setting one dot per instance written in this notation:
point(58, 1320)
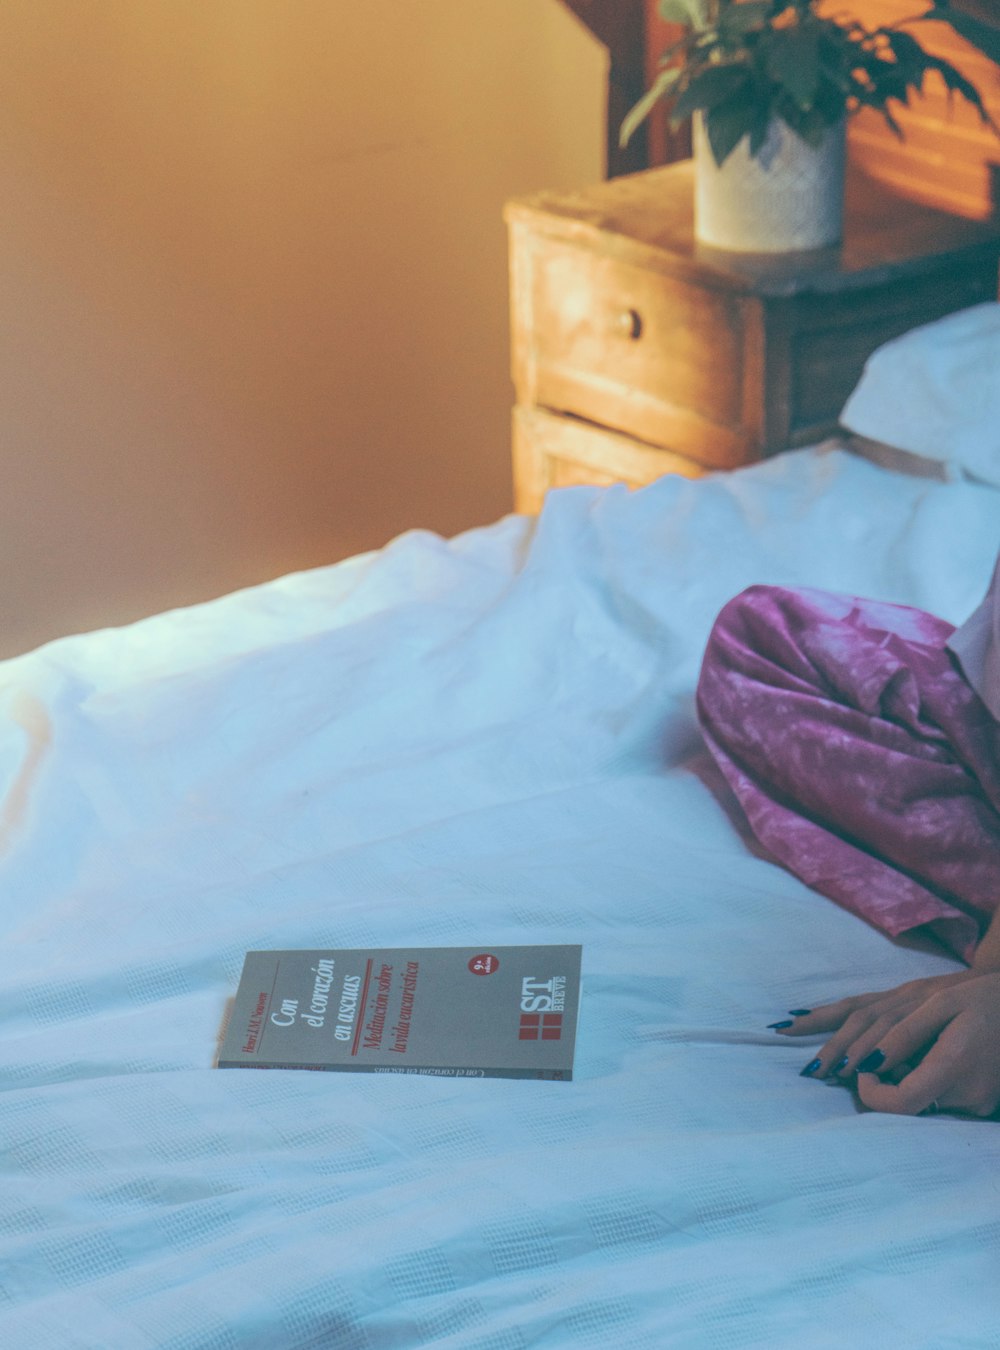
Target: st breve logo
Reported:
point(542, 1005)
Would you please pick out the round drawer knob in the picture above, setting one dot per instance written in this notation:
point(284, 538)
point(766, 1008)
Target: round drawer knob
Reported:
point(629, 324)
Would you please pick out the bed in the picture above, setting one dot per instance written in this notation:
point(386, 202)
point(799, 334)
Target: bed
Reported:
point(483, 740)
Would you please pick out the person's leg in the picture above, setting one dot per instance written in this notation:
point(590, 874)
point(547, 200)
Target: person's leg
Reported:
point(864, 761)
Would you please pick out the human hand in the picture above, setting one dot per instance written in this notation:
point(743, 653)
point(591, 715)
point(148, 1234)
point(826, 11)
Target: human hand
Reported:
point(961, 1070)
point(936, 1040)
point(860, 1022)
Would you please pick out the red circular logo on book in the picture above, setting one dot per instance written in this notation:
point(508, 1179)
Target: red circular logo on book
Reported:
point(484, 964)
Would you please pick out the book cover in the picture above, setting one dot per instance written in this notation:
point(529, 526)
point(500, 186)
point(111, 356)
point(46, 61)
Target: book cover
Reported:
point(502, 1012)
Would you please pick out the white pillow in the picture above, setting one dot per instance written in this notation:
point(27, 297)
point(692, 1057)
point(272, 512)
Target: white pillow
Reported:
point(935, 392)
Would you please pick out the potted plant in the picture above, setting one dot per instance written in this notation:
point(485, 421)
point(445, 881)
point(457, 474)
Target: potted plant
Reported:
point(770, 84)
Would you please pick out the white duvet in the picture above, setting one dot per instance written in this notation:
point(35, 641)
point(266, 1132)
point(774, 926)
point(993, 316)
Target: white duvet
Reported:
point(483, 741)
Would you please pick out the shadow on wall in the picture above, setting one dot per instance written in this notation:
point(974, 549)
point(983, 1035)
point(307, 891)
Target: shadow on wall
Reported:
point(253, 280)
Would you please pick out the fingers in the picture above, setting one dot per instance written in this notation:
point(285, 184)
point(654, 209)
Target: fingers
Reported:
point(812, 1022)
point(892, 1003)
point(911, 1097)
point(861, 1025)
point(931, 1043)
point(862, 1033)
point(857, 1034)
point(897, 1074)
point(848, 1017)
point(933, 1078)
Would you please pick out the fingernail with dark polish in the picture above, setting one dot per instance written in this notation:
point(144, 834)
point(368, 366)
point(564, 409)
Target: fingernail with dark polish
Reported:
point(810, 1068)
point(778, 1026)
point(872, 1063)
point(840, 1064)
point(799, 1012)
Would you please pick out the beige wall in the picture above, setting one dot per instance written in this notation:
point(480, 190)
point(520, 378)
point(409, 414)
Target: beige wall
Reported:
point(253, 297)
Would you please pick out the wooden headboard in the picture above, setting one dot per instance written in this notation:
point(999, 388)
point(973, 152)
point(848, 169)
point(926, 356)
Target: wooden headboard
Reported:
point(949, 159)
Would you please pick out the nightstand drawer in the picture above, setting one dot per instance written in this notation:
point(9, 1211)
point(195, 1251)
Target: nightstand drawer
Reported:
point(623, 346)
point(552, 450)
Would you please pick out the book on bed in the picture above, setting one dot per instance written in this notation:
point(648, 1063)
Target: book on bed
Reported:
point(462, 1012)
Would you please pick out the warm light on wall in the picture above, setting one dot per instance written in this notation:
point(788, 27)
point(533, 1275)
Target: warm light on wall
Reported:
point(254, 282)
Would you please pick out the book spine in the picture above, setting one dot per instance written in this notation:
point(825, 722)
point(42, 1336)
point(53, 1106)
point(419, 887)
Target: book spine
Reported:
point(546, 1075)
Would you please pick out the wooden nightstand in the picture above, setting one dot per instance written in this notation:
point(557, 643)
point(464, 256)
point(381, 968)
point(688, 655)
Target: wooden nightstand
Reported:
point(637, 352)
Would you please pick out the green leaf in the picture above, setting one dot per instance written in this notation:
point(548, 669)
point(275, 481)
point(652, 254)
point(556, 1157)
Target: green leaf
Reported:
point(710, 87)
point(891, 82)
point(758, 131)
point(957, 83)
point(660, 88)
point(955, 80)
point(667, 56)
point(792, 61)
point(908, 52)
point(892, 124)
point(835, 61)
point(883, 78)
point(812, 126)
point(985, 36)
point(870, 100)
point(728, 122)
point(691, 13)
point(737, 20)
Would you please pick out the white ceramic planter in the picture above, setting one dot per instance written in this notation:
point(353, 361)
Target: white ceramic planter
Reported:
point(787, 198)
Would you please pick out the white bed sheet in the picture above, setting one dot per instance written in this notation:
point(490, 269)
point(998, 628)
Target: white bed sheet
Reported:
point(489, 740)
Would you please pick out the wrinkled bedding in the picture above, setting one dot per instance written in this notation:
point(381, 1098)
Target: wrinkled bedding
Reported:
point(485, 740)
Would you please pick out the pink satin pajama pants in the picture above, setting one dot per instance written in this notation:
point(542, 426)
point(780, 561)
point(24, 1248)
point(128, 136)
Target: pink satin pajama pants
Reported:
point(865, 762)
